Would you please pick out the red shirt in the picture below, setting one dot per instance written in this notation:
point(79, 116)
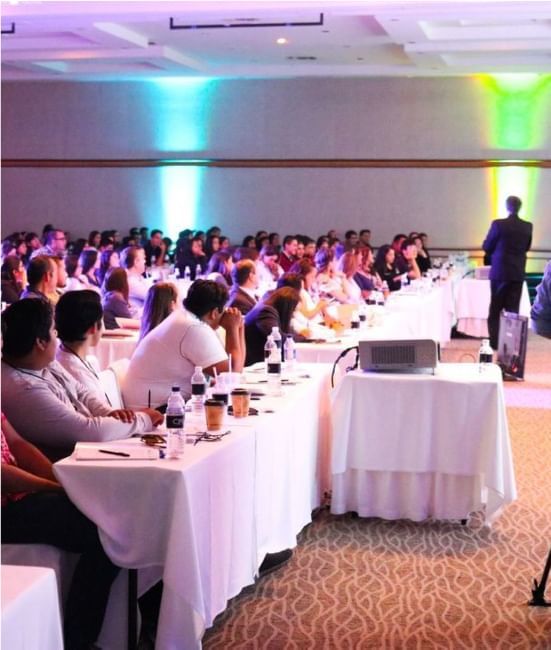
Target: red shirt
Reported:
point(8, 459)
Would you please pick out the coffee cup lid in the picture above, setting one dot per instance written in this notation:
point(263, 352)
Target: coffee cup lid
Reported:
point(214, 402)
point(240, 391)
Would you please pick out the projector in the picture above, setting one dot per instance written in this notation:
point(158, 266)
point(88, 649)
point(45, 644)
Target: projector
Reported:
point(399, 355)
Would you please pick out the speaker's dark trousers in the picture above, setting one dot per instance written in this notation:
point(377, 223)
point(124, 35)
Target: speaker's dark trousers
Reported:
point(505, 295)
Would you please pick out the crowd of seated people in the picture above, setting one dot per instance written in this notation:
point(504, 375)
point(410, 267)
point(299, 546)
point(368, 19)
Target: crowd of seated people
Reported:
point(61, 295)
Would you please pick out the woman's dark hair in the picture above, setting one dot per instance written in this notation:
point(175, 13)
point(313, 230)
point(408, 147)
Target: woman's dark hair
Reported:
point(204, 296)
point(30, 236)
point(209, 250)
point(116, 280)
point(23, 323)
point(75, 313)
point(293, 280)
point(380, 259)
point(323, 258)
point(284, 301)
point(71, 264)
point(92, 236)
point(88, 258)
point(104, 262)
point(248, 240)
point(9, 266)
point(217, 264)
point(302, 267)
point(157, 306)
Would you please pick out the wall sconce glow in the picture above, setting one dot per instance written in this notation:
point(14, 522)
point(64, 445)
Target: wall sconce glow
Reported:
point(180, 189)
point(519, 105)
point(282, 41)
point(517, 181)
point(180, 107)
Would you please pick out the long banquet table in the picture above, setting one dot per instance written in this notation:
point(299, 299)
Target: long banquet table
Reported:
point(206, 521)
point(439, 447)
point(31, 616)
point(472, 301)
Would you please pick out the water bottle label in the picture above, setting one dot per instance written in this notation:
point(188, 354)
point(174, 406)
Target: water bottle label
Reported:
point(355, 324)
point(174, 421)
point(485, 358)
point(274, 368)
point(198, 389)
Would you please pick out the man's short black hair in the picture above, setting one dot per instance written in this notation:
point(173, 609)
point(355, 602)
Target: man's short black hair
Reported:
point(363, 231)
point(407, 242)
point(75, 313)
point(37, 269)
point(204, 296)
point(288, 239)
point(513, 204)
point(23, 323)
point(155, 232)
point(350, 233)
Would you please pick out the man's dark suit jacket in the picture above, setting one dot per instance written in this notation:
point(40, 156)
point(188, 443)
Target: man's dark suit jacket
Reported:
point(241, 300)
point(507, 243)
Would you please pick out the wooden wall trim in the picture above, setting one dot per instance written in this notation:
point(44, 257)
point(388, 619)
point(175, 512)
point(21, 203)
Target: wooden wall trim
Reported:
point(278, 163)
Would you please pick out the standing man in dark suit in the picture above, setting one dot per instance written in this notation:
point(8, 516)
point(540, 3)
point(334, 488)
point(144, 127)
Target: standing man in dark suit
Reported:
point(506, 244)
point(244, 284)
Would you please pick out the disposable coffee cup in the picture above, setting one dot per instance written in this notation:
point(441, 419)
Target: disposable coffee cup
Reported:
point(220, 396)
point(214, 413)
point(240, 399)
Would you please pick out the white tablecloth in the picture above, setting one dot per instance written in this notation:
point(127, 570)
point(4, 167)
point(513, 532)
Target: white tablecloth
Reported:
point(420, 445)
point(113, 348)
point(30, 609)
point(206, 521)
point(472, 302)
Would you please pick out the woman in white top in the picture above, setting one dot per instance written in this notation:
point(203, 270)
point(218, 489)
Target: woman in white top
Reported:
point(348, 266)
point(74, 271)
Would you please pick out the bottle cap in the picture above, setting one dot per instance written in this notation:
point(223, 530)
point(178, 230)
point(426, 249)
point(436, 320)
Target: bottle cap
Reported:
point(176, 389)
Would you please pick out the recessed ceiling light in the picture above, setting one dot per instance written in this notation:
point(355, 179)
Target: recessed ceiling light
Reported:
point(282, 41)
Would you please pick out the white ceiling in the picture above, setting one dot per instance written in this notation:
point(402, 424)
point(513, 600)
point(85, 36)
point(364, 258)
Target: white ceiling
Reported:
point(132, 40)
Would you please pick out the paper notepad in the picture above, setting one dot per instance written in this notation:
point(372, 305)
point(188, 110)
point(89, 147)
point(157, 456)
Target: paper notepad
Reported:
point(86, 451)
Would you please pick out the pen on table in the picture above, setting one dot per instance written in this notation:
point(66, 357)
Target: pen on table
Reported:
point(149, 398)
point(114, 453)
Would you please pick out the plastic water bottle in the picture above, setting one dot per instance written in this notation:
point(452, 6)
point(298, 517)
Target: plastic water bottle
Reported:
point(198, 390)
point(290, 351)
point(274, 371)
point(268, 347)
point(198, 271)
point(187, 274)
point(276, 336)
point(175, 417)
point(485, 354)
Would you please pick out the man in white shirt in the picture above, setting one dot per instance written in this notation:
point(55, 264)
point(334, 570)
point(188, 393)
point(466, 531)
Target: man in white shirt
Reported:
point(133, 260)
point(46, 405)
point(168, 355)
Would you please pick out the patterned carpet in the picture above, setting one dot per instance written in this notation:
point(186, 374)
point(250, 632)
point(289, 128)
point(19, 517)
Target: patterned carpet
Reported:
point(389, 585)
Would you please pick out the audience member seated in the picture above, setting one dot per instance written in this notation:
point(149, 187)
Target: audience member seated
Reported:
point(276, 310)
point(36, 510)
point(184, 340)
point(365, 238)
point(397, 243)
point(79, 323)
point(541, 309)
point(348, 267)
point(267, 268)
point(159, 304)
point(46, 404)
point(108, 260)
point(14, 279)
point(74, 272)
point(115, 299)
point(41, 278)
point(220, 267)
point(310, 312)
point(89, 261)
point(133, 260)
point(191, 255)
point(155, 249)
point(55, 242)
point(33, 244)
point(288, 253)
point(244, 286)
point(94, 239)
point(406, 262)
point(366, 277)
point(423, 258)
point(249, 242)
point(329, 282)
point(212, 245)
point(386, 268)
